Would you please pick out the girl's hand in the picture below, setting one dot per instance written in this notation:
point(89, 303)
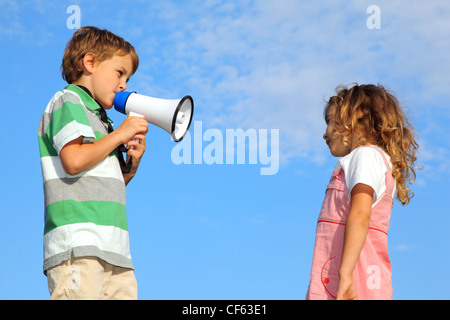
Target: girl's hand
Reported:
point(346, 289)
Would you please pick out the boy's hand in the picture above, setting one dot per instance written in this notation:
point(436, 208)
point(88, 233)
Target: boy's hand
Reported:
point(133, 130)
point(136, 149)
point(131, 127)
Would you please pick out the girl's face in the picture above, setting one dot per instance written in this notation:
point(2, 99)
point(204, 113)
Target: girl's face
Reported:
point(334, 142)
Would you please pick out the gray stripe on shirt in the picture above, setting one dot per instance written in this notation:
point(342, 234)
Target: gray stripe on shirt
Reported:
point(85, 189)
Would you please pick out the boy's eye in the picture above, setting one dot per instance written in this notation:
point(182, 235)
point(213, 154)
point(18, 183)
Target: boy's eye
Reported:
point(120, 72)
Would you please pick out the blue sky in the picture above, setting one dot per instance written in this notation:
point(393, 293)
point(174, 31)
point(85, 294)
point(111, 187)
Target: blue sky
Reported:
point(224, 231)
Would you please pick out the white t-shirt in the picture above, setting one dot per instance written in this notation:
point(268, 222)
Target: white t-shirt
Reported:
point(365, 165)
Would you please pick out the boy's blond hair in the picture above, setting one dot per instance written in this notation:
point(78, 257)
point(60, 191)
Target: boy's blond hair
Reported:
point(103, 43)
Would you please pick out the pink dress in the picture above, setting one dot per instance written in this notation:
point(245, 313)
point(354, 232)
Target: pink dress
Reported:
point(372, 273)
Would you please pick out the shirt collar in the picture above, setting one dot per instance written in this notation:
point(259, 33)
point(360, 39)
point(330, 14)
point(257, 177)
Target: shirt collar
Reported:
point(85, 96)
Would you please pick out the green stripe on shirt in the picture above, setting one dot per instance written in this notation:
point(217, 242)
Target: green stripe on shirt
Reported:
point(70, 211)
point(45, 148)
point(66, 114)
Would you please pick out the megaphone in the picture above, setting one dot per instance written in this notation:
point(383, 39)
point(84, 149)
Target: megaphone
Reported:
point(173, 116)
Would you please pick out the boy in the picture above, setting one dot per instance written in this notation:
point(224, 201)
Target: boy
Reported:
point(86, 243)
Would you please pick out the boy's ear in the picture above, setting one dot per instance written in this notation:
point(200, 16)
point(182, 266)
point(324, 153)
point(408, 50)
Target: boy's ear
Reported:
point(87, 64)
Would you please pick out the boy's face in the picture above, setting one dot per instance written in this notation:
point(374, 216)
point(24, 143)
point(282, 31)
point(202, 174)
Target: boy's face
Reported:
point(109, 77)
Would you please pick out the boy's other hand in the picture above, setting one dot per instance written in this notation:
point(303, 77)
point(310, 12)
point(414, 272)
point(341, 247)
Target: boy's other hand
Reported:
point(136, 149)
point(133, 131)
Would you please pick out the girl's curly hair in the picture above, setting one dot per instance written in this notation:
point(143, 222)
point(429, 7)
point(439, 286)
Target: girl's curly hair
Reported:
point(376, 116)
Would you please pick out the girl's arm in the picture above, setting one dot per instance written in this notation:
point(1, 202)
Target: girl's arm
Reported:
point(356, 230)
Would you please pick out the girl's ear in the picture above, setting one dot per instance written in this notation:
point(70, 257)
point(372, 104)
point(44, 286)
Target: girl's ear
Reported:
point(359, 114)
point(87, 64)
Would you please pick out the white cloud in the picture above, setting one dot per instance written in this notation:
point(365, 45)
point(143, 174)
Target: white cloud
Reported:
point(10, 24)
point(270, 64)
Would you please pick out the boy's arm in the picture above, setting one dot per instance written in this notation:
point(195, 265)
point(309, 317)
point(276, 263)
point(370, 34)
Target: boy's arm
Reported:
point(77, 156)
point(356, 230)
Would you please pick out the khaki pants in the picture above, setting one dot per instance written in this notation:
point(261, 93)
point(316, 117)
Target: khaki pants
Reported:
point(90, 278)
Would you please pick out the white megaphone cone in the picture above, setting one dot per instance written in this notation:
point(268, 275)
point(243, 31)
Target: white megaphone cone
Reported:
point(173, 116)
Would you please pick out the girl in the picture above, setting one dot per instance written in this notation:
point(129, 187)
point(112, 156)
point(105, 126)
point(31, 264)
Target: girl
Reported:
point(365, 126)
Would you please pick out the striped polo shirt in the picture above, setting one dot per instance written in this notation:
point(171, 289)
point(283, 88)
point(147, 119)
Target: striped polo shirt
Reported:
point(85, 214)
